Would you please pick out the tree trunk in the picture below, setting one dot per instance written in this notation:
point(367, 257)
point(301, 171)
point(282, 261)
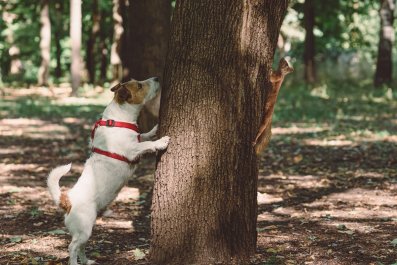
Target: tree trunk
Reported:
point(58, 36)
point(92, 40)
point(383, 74)
point(75, 36)
point(45, 44)
point(118, 30)
point(309, 52)
point(149, 25)
point(216, 78)
point(16, 66)
point(103, 48)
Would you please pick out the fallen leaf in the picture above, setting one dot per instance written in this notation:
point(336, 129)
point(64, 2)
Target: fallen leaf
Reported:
point(16, 239)
point(57, 232)
point(138, 254)
point(394, 242)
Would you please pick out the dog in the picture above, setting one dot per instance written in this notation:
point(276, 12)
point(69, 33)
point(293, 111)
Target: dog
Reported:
point(116, 148)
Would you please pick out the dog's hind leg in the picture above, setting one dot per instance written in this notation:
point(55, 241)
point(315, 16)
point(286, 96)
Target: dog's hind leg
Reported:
point(80, 225)
point(83, 257)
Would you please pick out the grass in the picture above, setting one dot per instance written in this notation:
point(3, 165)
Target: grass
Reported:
point(345, 107)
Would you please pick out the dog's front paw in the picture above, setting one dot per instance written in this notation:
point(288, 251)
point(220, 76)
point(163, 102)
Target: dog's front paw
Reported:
point(162, 143)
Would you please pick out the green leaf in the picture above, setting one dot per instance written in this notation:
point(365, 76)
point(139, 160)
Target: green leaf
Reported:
point(138, 254)
point(394, 242)
point(16, 239)
point(57, 232)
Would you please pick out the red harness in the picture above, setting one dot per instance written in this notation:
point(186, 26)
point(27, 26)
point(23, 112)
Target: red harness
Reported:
point(113, 123)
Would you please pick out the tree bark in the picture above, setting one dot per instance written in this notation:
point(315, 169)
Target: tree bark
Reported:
point(309, 52)
point(45, 44)
point(75, 36)
point(383, 74)
point(216, 79)
point(92, 41)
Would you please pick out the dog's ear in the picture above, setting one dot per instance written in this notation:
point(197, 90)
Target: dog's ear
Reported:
point(116, 87)
point(122, 94)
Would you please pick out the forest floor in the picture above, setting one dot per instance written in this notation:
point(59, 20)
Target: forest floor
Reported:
point(327, 182)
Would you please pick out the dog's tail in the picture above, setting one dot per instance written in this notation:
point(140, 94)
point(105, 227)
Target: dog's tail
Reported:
point(60, 199)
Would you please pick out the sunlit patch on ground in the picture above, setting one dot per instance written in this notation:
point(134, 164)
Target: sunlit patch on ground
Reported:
point(300, 129)
point(32, 128)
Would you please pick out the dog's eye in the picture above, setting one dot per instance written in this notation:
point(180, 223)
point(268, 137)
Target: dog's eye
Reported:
point(139, 85)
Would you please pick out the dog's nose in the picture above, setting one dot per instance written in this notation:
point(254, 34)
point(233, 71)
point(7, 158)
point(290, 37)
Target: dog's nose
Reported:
point(156, 79)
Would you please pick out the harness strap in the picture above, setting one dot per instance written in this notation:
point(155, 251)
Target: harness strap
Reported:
point(114, 155)
point(119, 124)
point(113, 123)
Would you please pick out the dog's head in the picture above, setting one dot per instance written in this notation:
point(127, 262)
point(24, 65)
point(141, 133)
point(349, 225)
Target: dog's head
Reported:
point(136, 92)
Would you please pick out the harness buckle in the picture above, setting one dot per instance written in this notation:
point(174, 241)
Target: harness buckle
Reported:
point(110, 123)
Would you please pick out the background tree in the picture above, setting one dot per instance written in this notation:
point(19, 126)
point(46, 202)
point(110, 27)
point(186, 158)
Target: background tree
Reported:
point(384, 63)
point(115, 55)
point(204, 206)
point(145, 47)
point(309, 52)
point(75, 36)
point(91, 47)
point(149, 26)
point(45, 43)
point(58, 32)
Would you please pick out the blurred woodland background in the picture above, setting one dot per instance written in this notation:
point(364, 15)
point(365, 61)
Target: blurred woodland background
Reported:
point(332, 43)
point(327, 182)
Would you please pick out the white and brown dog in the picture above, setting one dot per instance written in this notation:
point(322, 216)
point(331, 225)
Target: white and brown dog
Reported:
point(116, 147)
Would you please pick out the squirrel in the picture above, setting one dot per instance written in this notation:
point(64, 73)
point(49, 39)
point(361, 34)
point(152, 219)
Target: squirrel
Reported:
point(276, 77)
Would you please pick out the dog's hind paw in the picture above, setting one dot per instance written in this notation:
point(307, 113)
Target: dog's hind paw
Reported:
point(162, 143)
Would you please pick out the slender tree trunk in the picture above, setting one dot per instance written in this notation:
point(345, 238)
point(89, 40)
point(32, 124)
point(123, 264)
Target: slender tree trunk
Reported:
point(216, 79)
point(149, 25)
point(125, 38)
point(118, 30)
point(96, 18)
point(16, 66)
point(383, 74)
point(75, 36)
point(103, 49)
point(45, 44)
point(310, 68)
point(58, 36)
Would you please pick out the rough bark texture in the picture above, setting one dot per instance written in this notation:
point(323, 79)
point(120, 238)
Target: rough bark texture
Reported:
point(216, 78)
point(45, 44)
point(149, 28)
point(75, 36)
point(309, 52)
point(383, 74)
point(91, 47)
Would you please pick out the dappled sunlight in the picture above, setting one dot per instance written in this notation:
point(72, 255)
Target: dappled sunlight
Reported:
point(51, 245)
point(33, 128)
point(290, 183)
point(300, 128)
point(115, 224)
point(128, 194)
